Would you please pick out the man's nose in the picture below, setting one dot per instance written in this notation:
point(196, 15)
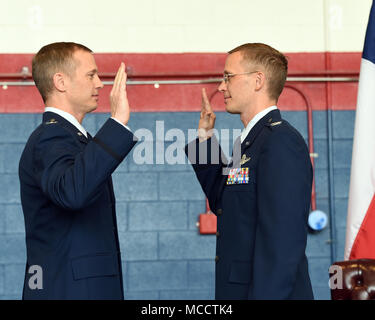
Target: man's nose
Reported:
point(222, 87)
point(99, 84)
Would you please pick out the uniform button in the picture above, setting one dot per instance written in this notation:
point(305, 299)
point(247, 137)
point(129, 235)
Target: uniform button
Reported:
point(217, 234)
point(219, 212)
point(216, 258)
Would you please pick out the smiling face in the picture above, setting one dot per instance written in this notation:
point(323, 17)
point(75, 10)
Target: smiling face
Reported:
point(82, 87)
point(239, 90)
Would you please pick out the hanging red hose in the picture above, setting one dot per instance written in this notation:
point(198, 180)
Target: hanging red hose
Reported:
point(310, 140)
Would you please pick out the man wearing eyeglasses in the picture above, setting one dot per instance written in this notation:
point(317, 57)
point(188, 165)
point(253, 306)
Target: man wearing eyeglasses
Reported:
point(262, 198)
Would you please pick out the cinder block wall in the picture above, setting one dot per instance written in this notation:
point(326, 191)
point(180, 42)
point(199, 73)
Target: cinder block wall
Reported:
point(164, 256)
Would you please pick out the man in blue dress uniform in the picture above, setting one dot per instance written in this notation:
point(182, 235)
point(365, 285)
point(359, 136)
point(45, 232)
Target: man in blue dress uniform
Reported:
point(262, 198)
point(65, 175)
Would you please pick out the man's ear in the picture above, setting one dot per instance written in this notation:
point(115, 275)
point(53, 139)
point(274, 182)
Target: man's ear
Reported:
point(59, 82)
point(260, 80)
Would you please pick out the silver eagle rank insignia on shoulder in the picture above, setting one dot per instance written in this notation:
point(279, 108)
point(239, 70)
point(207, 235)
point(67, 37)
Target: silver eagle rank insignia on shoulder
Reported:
point(275, 123)
point(51, 121)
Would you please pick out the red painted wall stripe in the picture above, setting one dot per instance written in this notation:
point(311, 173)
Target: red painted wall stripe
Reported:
point(170, 98)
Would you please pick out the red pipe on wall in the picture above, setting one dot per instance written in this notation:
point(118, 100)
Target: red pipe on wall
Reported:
point(310, 140)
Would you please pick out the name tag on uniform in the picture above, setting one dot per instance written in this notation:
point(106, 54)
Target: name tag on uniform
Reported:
point(238, 176)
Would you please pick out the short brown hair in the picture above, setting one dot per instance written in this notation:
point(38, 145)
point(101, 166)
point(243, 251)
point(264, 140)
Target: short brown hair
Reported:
point(53, 58)
point(273, 61)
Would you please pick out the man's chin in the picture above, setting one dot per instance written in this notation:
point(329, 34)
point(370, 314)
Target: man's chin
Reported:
point(231, 110)
point(92, 108)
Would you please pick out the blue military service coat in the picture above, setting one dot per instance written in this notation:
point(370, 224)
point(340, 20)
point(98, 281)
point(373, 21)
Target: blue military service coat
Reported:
point(69, 209)
point(262, 204)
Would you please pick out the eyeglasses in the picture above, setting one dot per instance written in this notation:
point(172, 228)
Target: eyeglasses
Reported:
point(227, 76)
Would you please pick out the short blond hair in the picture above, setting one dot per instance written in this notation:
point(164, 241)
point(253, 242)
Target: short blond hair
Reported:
point(53, 58)
point(274, 63)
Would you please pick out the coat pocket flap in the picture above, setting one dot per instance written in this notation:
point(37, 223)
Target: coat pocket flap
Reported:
point(95, 266)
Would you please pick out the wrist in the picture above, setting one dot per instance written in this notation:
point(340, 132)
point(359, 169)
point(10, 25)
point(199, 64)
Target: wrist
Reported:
point(204, 134)
point(122, 120)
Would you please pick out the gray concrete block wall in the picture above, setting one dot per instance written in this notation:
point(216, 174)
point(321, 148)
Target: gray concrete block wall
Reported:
point(164, 256)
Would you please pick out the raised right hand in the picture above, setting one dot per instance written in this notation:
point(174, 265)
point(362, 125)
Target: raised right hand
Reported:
point(120, 109)
point(207, 119)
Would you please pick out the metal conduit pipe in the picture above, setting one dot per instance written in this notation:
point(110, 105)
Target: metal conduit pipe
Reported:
point(318, 75)
point(191, 81)
point(331, 186)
